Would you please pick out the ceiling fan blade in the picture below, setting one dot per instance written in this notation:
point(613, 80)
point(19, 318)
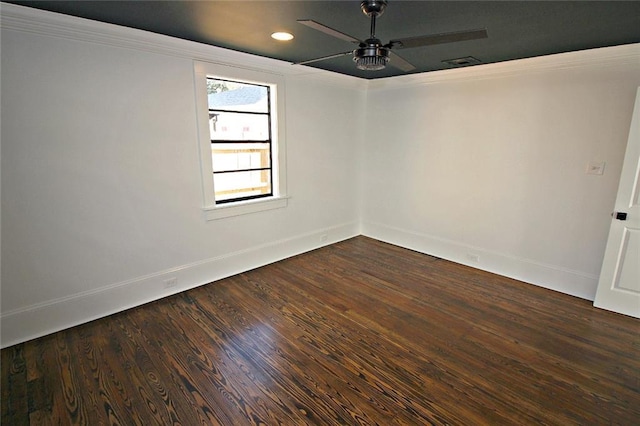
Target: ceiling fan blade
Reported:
point(323, 58)
point(428, 40)
point(400, 63)
point(323, 28)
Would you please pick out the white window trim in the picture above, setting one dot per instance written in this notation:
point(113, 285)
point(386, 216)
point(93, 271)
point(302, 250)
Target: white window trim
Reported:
point(244, 207)
point(279, 199)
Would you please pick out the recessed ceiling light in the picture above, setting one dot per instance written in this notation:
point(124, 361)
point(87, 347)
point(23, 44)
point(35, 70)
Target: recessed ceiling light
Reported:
point(282, 36)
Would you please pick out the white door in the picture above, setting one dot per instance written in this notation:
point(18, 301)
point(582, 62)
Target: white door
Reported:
point(619, 285)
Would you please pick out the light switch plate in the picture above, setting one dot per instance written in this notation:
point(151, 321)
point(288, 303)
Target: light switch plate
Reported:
point(595, 168)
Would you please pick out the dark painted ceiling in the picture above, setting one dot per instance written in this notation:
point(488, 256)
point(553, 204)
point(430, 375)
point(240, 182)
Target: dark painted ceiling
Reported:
point(515, 29)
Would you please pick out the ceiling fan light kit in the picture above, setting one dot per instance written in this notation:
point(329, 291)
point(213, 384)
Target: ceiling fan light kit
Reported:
point(371, 58)
point(371, 54)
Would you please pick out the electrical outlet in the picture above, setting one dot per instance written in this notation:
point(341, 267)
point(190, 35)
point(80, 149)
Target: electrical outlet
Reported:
point(473, 257)
point(170, 282)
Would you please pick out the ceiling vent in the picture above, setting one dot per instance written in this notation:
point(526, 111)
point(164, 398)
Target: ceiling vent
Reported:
point(463, 62)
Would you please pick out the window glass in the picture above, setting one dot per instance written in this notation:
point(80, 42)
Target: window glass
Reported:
point(228, 95)
point(242, 185)
point(233, 157)
point(233, 126)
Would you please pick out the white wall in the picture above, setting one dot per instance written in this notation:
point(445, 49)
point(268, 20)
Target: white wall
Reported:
point(490, 163)
point(101, 186)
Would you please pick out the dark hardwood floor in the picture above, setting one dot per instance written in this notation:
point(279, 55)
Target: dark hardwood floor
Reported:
point(357, 333)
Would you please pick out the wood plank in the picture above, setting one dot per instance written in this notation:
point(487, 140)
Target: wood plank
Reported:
point(14, 386)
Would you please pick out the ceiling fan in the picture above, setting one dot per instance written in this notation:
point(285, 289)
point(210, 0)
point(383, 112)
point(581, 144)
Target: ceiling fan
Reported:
point(371, 54)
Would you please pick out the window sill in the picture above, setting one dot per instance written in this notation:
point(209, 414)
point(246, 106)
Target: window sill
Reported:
point(245, 207)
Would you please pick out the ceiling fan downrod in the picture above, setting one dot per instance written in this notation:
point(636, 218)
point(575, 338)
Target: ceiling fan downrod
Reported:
point(373, 9)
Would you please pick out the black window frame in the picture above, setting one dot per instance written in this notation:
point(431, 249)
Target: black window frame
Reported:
point(269, 141)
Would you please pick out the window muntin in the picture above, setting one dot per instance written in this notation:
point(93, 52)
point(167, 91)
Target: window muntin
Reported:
point(240, 128)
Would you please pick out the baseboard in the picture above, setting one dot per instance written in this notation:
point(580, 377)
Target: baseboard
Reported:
point(574, 283)
point(35, 321)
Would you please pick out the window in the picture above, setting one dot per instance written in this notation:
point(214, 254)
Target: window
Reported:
point(241, 137)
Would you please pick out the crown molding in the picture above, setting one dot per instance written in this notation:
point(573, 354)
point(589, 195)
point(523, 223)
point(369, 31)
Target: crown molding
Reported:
point(317, 76)
point(49, 24)
point(624, 55)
